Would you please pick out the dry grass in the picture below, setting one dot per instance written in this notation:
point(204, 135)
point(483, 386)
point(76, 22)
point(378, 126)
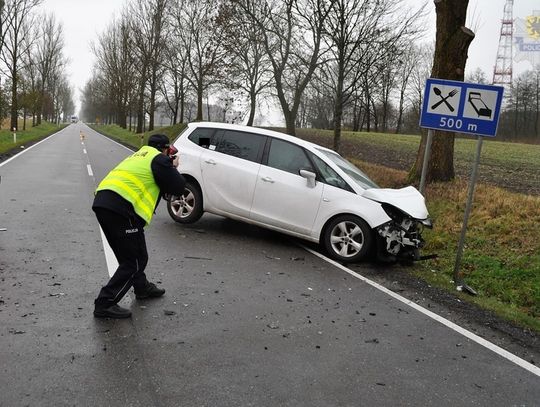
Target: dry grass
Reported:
point(501, 258)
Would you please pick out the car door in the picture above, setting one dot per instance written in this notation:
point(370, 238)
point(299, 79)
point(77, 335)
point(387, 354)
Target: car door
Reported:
point(282, 197)
point(229, 172)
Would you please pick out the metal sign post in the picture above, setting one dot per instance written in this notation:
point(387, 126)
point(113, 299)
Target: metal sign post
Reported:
point(458, 279)
point(464, 108)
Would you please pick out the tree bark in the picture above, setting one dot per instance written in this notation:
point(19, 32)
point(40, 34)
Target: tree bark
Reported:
point(451, 47)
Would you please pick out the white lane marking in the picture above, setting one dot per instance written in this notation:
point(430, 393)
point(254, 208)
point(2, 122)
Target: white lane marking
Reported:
point(481, 341)
point(89, 167)
point(84, 151)
point(110, 258)
point(31, 147)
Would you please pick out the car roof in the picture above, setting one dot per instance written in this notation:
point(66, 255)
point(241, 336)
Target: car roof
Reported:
point(258, 130)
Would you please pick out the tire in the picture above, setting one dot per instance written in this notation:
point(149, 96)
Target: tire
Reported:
point(347, 239)
point(187, 208)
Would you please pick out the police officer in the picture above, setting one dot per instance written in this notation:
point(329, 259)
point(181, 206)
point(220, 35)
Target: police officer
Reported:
point(124, 204)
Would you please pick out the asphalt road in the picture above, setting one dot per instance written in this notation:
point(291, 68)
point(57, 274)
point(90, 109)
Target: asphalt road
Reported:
point(250, 318)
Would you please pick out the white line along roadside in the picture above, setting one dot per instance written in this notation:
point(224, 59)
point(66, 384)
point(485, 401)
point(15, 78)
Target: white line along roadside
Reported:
point(481, 341)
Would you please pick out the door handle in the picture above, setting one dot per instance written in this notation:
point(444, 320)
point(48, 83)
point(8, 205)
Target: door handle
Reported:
point(268, 179)
point(210, 161)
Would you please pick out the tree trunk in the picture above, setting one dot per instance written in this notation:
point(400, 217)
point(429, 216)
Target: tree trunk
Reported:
point(338, 106)
point(14, 108)
point(289, 123)
point(252, 106)
point(451, 46)
point(182, 101)
point(153, 90)
point(199, 101)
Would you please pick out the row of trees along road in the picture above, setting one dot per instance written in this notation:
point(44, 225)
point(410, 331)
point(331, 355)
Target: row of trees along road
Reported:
point(292, 50)
point(32, 65)
point(327, 63)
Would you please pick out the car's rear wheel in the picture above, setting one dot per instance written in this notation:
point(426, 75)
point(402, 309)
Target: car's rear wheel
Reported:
point(188, 207)
point(347, 238)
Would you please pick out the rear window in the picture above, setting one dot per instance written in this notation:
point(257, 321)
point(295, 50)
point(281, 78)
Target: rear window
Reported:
point(203, 136)
point(247, 146)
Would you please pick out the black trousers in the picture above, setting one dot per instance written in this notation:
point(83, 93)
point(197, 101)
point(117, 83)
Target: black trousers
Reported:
point(126, 238)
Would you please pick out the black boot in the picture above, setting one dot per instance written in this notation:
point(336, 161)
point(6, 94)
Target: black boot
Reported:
point(150, 291)
point(112, 311)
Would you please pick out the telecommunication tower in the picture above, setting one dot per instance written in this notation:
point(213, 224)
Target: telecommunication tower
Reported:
point(502, 72)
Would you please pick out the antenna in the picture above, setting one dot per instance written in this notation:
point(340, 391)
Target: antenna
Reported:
point(502, 72)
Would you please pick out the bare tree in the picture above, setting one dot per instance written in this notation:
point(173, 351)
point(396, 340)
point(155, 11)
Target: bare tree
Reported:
point(49, 61)
point(174, 82)
point(114, 60)
point(407, 64)
point(292, 37)
point(18, 23)
point(148, 18)
point(201, 37)
point(366, 39)
point(247, 65)
point(451, 46)
point(477, 76)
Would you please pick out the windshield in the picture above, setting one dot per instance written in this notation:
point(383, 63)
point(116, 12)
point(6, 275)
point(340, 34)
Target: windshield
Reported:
point(358, 176)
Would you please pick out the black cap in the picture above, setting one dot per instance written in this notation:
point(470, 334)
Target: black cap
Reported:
point(159, 141)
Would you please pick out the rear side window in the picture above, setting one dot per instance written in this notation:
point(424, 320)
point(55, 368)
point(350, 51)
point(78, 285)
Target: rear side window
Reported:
point(247, 146)
point(202, 137)
point(288, 157)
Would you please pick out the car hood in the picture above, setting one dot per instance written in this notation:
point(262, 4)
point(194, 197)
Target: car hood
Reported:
point(407, 199)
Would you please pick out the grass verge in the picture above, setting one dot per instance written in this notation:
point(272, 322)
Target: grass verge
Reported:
point(501, 258)
point(125, 136)
point(31, 134)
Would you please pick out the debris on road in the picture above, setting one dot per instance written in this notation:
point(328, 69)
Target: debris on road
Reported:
point(197, 258)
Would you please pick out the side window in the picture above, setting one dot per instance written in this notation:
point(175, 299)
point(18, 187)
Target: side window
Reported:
point(242, 145)
point(328, 175)
point(287, 157)
point(202, 137)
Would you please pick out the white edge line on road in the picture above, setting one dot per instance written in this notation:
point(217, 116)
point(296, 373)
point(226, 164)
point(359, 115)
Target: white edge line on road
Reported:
point(110, 258)
point(481, 341)
point(31, 147)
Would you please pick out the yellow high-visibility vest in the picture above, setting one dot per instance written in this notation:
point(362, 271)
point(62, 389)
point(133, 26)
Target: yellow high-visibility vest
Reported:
point(133, 180)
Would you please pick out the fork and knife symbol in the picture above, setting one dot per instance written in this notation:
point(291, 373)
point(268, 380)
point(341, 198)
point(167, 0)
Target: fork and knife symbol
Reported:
point(444, 100)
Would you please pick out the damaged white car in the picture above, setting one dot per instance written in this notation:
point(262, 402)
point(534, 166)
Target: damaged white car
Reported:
point(295, 187)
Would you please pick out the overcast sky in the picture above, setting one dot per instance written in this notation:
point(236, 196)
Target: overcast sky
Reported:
point(83, 20)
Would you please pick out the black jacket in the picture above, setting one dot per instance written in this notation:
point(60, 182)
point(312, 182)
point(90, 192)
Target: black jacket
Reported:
point(167, 178)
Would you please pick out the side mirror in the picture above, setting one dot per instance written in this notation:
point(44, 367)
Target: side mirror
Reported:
point(309, 176)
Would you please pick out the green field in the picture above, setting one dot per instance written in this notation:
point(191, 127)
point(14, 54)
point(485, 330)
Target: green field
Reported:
point(501, 259)
point(32, 134)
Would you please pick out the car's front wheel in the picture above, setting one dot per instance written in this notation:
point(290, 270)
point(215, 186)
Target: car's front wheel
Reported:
point(347, 238)
point(188, 207)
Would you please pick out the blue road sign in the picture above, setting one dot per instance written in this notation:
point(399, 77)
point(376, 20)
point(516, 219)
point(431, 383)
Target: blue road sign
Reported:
point(461, 107)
